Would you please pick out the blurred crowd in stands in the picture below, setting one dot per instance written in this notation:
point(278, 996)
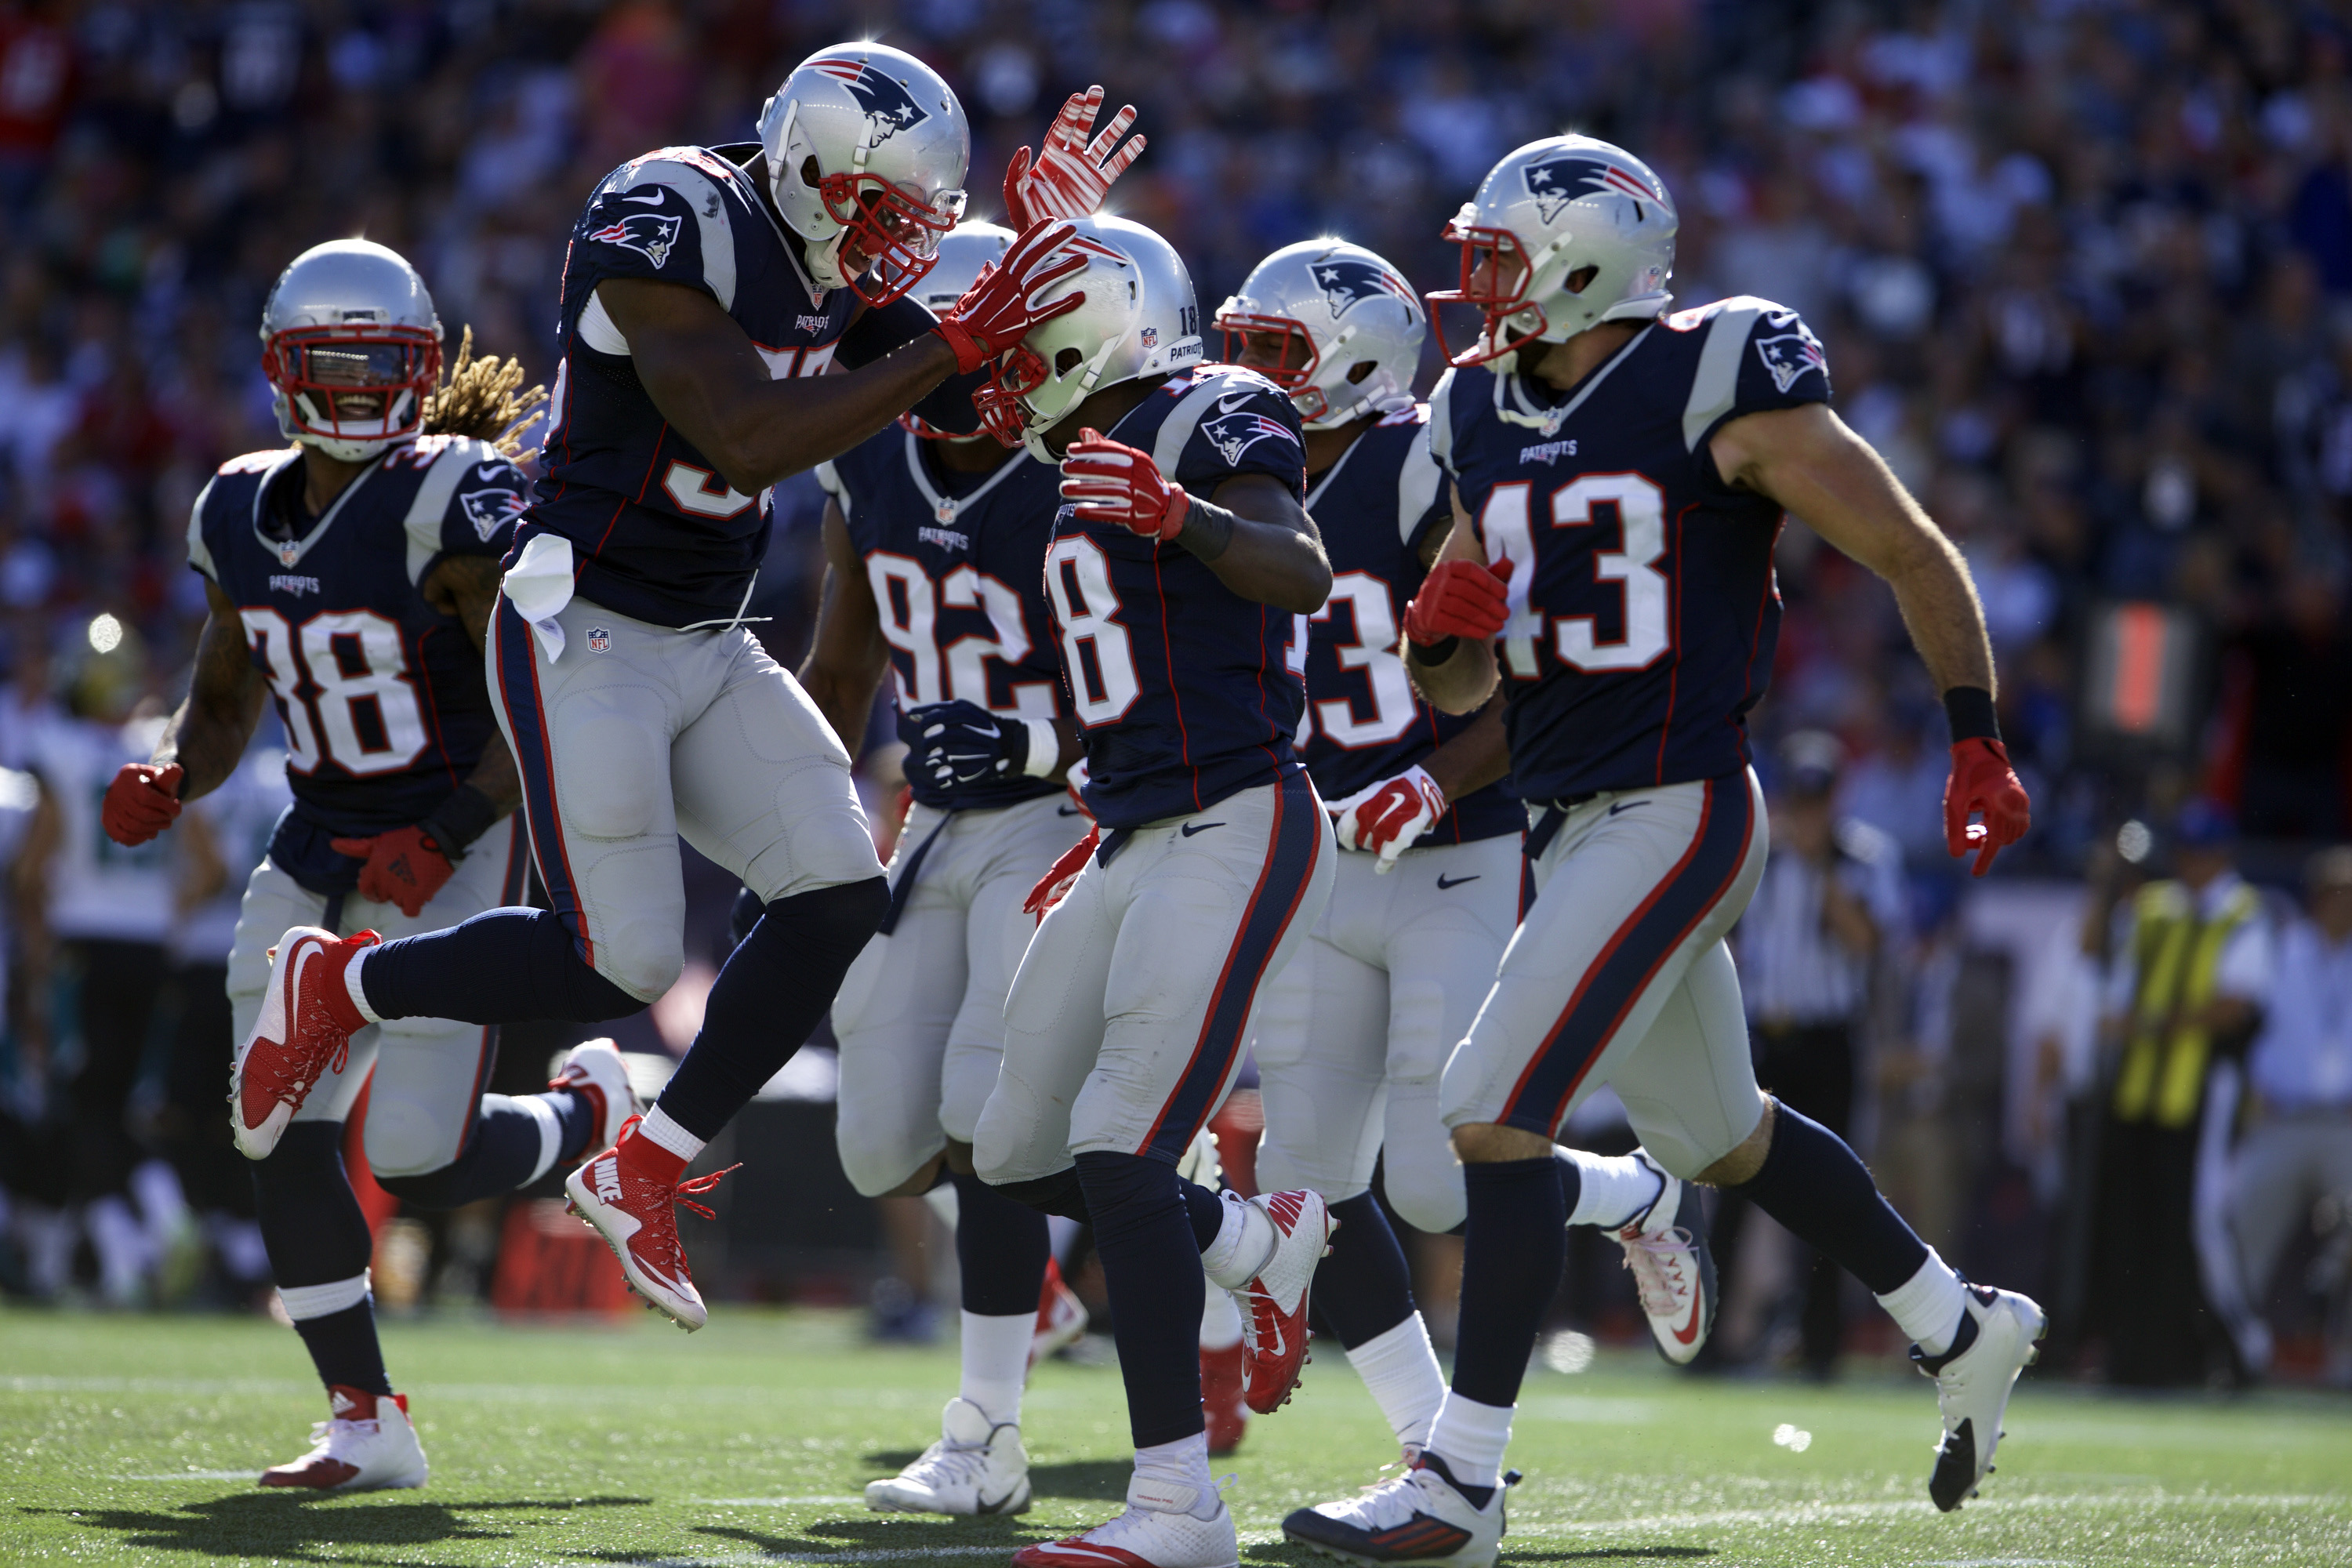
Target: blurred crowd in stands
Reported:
point(2083, 268)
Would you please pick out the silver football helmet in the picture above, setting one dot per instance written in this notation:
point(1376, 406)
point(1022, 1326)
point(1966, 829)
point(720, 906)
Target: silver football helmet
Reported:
point(1556, 211)
point(866, 149)
point(1348, 327)
point(352, 348)
point(964, 252)
point(1139, 318)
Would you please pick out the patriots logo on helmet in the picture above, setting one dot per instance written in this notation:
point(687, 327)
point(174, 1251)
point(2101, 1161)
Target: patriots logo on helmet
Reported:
point(1556, 182)
point(1237, 433)
point(651, 235)
point(1346, 282)
point(888, 107)
point(1792, 355)
point(489, 510)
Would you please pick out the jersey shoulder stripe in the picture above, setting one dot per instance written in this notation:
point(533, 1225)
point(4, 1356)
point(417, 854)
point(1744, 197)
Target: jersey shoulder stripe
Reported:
point(1421, 483)
point(492, 498)
point(231, 493)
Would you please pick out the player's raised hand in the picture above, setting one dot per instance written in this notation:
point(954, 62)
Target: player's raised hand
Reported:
point(1983, 785)
point(1110, 481)
point(142, 802)
point(1070, 178)
point(1055, 884)
point(1390, 814)
point(1001, 306)
point(1460, 599)
point(404, 868)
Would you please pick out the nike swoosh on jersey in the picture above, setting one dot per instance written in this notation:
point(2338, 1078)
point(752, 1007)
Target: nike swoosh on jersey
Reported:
point(652, 200)
point(1190, 828)
point(1457, 881)
point(1626, 806)
point(490, 472)
point(1227, 405)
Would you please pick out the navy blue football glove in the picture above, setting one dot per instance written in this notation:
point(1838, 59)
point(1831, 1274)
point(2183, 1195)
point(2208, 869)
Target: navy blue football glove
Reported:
point(957, 744)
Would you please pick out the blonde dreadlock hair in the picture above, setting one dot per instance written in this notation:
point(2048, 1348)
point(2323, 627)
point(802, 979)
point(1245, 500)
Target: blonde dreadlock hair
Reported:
point(477, 398)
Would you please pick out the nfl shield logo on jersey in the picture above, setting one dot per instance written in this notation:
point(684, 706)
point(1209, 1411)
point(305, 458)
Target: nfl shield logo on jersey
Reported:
point(600, 639)
point(288, 552)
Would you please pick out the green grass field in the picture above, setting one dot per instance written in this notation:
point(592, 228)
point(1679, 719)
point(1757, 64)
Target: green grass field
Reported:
point(133, 1440)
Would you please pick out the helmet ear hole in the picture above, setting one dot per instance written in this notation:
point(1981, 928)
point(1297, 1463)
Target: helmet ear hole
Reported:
point(1068, 360)
point(809, 171)
point(1578, 281)
point(1361, 371)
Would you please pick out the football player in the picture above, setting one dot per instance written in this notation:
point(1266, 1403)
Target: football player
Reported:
point(1179, 572)
point(1350, 1038)
point(350, 578)
point(705, 293)
point(933, 546)
point(1619, 478)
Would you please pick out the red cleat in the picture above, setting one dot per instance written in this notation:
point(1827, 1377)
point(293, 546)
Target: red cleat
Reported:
point(1061, 1316)
point(629, 1194)
point(1274, 1301)
point(1221, 1398)
point(304, 1033)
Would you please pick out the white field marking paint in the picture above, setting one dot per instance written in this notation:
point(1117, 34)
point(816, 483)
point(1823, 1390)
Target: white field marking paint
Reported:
point(1835, 1513)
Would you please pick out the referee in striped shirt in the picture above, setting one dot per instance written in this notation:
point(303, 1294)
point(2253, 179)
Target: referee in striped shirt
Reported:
point(1831, 898)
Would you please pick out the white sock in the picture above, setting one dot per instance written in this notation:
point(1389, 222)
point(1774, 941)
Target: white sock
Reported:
point(304, 1302)
point(1173, 1477)
point(1928, 1305)
point(1062, 1234)
point(1221, 1319)
point(996, 1362)
point(668, 1134)
point(1471, 1438)
point(550, 1130)
point(942, 1201)
point(1611, 1188)
point(1401, 1370)
point(352, 984)
point(1244, 1241)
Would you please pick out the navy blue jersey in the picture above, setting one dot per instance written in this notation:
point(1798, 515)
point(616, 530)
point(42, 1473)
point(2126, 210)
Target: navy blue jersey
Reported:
point(1643, 606)
point(956, 564)
point(656, 533)
point(1187, 692)
point(383, 697)
point(1377, 506)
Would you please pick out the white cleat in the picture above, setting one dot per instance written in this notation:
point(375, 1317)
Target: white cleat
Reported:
point(1673, 1273)
point(1998, 1339)
point(593, 1070)
point(368, 1446)
point(1158, 1530)
point(1417, 1517)
point(976, 1467)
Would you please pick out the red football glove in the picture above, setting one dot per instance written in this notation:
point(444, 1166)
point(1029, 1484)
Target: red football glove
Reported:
point(142, 802)
point(1072, 176)
point(1389, 815)
point(1001, 306)
point(404, 866)
point(1113, 482)
point(1983, 785)
point(1460, 599)
point(1055, 885)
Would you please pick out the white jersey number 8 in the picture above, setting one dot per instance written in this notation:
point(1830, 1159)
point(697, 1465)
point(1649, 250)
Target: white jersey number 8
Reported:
point(367, 719)
point(1078, 579)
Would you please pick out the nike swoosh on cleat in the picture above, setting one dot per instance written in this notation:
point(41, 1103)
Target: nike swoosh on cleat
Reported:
point(1190, 828)
point(1689, 1331)
point(982, 1506)
point(1457, 882)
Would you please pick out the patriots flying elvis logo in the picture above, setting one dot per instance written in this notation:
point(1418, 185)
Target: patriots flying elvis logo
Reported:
point(1237, 433)
point(1792, 355)
point(1556, 182)
point(1346, 280)
point(888, 107)
point(489, 510)
point(651, 235)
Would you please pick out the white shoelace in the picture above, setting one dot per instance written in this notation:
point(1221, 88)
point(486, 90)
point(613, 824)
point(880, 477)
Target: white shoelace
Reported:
point(942, 1463)
point(1657, 1265)
point(1383, 1504)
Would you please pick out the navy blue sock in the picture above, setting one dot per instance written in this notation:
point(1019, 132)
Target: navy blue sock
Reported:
point(317, 1234)
point(1822, 1195)
point(1001, 1247)
point(500, 1153)
point(1151, 1264)
point(1363, 1287)
point(775, 986)
point(1511, 1258)
point(1206, 1209)
point(503, 966)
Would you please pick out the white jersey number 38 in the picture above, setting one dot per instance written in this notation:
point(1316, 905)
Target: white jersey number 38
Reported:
point(1642, 517)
